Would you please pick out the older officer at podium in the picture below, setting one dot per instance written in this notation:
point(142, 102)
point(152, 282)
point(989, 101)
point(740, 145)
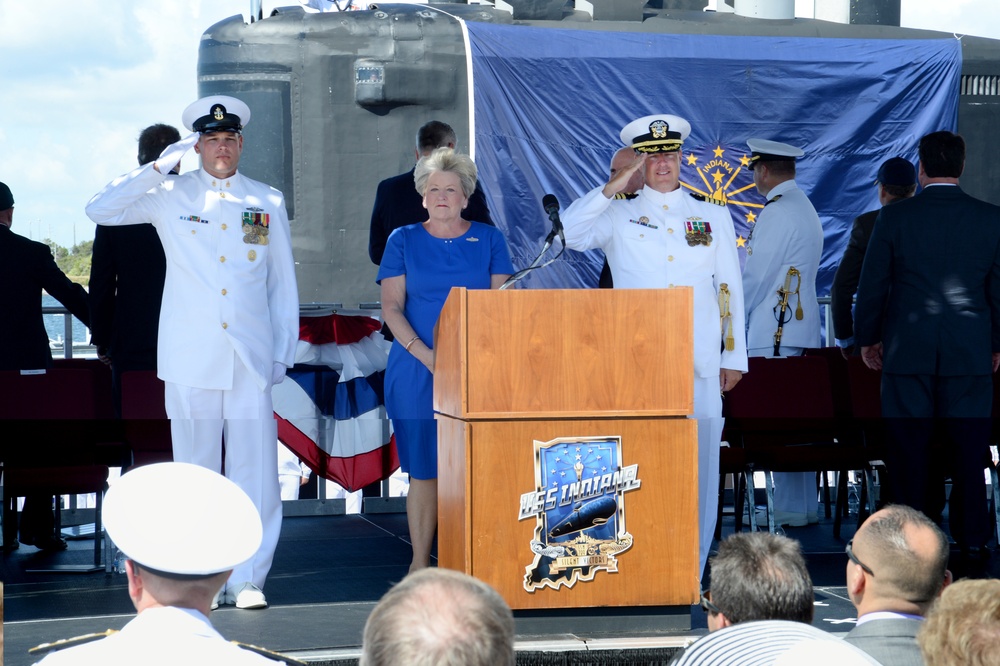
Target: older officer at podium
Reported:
point(668, 237)
point(229, 318)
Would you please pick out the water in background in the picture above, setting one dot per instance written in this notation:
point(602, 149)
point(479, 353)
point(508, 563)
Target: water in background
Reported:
point(55, 326)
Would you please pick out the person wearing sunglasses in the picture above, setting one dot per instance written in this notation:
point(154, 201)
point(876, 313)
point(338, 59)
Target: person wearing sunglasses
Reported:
point(896, 567)
point(760, 605)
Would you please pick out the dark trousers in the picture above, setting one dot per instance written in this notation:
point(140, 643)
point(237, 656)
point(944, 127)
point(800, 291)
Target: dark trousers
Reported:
point(940, 426)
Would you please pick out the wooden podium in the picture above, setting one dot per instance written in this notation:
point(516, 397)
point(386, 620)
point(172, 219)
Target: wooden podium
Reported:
point(518, 370)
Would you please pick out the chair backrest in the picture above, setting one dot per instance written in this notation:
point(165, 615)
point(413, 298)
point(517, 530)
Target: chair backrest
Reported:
point(58, 393)
point(782, 401)
point(146, 426)
point(865, 389)
point(142, 395)
point(837, 365)
point(101, 378)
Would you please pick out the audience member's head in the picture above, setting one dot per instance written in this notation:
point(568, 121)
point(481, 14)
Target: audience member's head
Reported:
point(963, 627)
point(942, 155)
point(438, 617)
point(434, 135)
point(758, 576)
point(6, 205)
point(897, 562)
point(155, 526)
point(897, 179)
point(154, 139)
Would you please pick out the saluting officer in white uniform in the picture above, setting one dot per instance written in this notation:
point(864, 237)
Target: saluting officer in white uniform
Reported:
point(155, 514)
point(783, 254)
point(229, 317)
point(667, 237)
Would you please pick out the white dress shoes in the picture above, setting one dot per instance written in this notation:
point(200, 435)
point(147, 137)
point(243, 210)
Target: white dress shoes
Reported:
point(249, 596)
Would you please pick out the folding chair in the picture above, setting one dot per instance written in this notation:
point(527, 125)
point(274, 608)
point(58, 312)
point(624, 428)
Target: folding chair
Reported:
point(782, 413)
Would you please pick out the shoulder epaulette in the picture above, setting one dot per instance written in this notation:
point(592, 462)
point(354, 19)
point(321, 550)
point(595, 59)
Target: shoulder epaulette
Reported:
point(55, 646)
point(625, 195)
point(711, 200)
point(270, 654)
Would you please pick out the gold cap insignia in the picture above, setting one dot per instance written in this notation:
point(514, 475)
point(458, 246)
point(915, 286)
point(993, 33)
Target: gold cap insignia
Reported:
point(659, 129)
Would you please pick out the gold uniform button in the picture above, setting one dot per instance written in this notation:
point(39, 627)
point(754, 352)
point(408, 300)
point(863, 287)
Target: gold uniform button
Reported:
point(225, 325)
point(223, 226)
point(223, 292)
point(670, 258)
point(670, 231)
point(666, 207)
point(252, 255)
point(193, 232)
point(642, 235)
point(222, 194)
point(222, 259)
point(213, 183)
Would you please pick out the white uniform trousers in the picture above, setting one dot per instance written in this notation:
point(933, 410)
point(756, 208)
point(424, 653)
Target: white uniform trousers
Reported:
point(200, 419)
point(708, 411)
point(794, 492)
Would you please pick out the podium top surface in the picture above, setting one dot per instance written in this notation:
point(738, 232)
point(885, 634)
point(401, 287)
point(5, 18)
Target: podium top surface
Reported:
point(544, 353)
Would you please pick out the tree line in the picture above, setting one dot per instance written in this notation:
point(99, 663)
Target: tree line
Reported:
point(75, 261)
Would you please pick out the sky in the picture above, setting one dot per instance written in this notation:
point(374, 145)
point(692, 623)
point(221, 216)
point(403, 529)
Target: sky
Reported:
point(79, 83)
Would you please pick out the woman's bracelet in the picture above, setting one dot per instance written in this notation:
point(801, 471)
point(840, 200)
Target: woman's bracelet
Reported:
point(410, 343)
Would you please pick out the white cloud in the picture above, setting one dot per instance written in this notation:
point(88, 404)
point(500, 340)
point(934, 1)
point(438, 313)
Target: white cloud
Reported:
point(82, 78)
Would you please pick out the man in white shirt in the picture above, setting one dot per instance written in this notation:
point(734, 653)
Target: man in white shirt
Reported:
point(229, 315)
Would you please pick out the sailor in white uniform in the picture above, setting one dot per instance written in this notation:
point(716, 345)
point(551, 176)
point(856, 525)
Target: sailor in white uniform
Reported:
point(170, 581)
point(668, 237)
point(229, 317)
point(783, 255)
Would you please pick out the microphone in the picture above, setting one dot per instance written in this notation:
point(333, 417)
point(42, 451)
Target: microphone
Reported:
point(551, 206)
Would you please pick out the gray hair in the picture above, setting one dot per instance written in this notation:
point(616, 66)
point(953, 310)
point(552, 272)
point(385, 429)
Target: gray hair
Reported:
point(761, 576)
point(446, 159)
point(963, 627)
point(439, 617)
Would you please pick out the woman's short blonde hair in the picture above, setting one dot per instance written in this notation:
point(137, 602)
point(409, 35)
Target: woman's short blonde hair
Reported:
point(446, 159)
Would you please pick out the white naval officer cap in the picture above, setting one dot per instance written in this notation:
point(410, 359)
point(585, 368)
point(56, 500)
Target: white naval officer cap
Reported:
point(180, 518)
point(659, 133)
point(765, 150)
point(216, 113)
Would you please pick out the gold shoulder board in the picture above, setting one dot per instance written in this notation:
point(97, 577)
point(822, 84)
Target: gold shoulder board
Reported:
point(55, 646)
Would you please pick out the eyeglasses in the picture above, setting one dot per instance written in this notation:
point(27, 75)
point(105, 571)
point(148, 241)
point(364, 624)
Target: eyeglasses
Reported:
point(706, 603)
point(853, 558)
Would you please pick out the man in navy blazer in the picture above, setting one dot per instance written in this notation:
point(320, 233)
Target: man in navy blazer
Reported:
point(26, 268)
point(397, 202)
point(897, 567)
point(928, 316)
point(126, 282)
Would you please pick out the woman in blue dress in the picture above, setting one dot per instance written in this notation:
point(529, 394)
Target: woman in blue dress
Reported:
point(422, 262)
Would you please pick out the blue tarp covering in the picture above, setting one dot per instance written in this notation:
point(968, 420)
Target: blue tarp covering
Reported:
point(549, 105)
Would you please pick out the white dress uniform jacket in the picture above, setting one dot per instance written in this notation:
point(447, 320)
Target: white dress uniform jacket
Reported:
point(221, 294)
point(787, 233)
point(167, 636)
point(644, 240)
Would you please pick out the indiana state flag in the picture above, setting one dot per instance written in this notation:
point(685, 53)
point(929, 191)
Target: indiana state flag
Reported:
point(330, 407)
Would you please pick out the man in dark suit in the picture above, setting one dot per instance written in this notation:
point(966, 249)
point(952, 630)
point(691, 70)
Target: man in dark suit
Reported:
point(897, 568)
point(896, 180)
point(397, 202)
point(26, 268)
point(928, 316)
point(126, 283)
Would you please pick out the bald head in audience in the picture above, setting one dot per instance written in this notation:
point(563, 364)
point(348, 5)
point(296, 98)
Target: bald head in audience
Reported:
point(907, 555)
point(439, 617)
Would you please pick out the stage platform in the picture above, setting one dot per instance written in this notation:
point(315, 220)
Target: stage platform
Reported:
point(330, 570)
